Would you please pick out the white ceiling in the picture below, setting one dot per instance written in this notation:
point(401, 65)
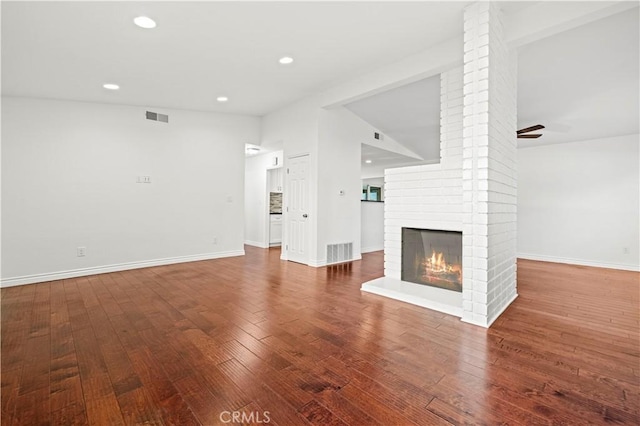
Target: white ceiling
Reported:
point(581, 84)
point(385, 158)
point(201, 50)
point(382, 159)
point(584, 83)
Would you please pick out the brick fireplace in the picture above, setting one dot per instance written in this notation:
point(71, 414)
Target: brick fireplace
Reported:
point(472, 191)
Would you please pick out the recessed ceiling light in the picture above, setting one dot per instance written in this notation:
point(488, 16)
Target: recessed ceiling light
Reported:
point(285, 60)
point(111, 86)
point(222, 99)
point(144, 22)
point(368, 161)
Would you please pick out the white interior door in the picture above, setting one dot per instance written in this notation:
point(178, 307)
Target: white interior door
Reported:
point(297, 244)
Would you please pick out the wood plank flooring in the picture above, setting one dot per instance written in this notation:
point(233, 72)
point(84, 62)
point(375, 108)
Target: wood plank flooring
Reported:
point(255, 340)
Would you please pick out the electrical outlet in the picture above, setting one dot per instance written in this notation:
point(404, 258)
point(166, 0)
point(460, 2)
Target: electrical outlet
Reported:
point(215, 240)
point(625, 250)
point(81, 251)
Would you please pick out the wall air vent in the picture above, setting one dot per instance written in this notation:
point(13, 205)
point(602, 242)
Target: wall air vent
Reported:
point(157, 117)
point(378, 136)
point(337, 253)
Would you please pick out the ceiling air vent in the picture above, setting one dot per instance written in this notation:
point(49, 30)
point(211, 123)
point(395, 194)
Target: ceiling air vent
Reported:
point(157, 117)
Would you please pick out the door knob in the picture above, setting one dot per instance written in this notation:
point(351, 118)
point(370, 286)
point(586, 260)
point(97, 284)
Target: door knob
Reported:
point(305, 215)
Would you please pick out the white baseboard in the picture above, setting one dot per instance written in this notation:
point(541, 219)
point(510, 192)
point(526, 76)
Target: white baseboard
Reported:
point(317, 263)
point(256, 244)
point(372, 248)
point(569, 261)
point(323, 262)
point(38, 278)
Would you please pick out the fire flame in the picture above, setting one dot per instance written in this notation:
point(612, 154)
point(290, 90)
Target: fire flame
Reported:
point(436, 263)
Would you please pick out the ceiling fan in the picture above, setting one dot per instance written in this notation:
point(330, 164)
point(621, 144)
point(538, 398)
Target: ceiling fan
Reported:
point(521, 132)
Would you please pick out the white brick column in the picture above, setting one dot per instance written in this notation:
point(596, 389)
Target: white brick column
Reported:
point(489, 167)
point(451, 98)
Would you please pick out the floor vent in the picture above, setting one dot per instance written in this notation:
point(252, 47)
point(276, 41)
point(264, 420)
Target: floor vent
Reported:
point(337, 253)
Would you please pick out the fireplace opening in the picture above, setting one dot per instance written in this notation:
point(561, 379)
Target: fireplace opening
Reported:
point(432, 257)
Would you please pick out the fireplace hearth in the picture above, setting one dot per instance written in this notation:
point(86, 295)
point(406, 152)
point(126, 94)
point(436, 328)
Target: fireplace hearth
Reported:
point(432, 257)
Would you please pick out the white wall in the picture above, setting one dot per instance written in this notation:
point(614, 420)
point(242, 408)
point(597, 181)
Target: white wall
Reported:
point(579, 202)
point(372, 222)
point(69, 179)
point(256, 198)
point(293, 127)
point(339, 156)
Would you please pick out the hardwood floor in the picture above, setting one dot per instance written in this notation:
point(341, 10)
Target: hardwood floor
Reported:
point(275, 342)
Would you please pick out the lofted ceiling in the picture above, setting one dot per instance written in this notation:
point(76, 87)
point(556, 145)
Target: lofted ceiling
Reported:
point(410, 114)
point(581, 84)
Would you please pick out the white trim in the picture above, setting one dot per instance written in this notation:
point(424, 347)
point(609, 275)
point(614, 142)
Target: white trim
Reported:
point(472, 322)
point(317, 263)
point(323, 262)
point(38, 278)
point(544, 258)
point(290, 157)
point(256, 244)
point(437, 299)
point(372, 248)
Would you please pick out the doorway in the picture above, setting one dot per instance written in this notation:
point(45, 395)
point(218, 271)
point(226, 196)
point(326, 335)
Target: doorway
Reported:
point(275, 194)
